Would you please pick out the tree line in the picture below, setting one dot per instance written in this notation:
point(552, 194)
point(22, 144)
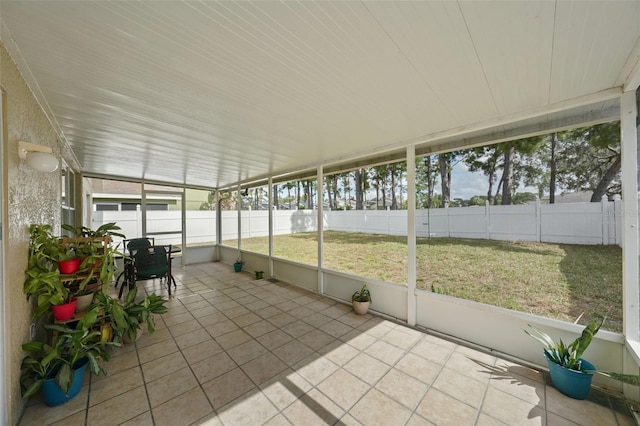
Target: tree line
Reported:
point(582, 159)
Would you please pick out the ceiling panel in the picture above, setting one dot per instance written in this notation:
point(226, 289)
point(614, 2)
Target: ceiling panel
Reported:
point(435, 40)
point(592, 42)
point(211, 93)
point(513, 41)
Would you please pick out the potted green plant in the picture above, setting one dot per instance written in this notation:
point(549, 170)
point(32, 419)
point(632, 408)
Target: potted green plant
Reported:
point(127, 318)
point(237, 266)
point(361, 300)
point(58, 369)
point(105, 230)
point(570, 373)
point(47, 288)
point(97, 259)
point(48, 250)
point(84, 291)
point(139, 315)
point(41, 276)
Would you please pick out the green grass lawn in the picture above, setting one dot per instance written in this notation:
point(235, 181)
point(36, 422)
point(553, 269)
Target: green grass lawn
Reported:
point(559, 281)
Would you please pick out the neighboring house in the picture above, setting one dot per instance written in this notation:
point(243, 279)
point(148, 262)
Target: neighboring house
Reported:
point(570, 197)
point(112, 195)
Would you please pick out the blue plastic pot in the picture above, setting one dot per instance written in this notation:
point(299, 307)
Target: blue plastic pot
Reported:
point(237, 266)
point(52, 393)
point(575, 384)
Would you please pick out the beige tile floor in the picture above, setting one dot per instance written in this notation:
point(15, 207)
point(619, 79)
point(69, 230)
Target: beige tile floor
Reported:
point(235, 351)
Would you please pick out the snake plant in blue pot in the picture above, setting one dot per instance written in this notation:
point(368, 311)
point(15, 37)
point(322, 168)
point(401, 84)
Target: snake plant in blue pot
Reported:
point(570, 373)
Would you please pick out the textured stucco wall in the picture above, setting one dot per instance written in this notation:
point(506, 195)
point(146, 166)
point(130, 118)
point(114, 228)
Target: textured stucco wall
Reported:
point(32, 197)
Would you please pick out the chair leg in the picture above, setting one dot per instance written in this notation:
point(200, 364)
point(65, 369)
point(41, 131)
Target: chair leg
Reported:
point(129, 279)
point(120, 275)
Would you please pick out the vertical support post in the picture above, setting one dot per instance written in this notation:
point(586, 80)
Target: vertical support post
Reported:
point(218, 218)
point(604, 212)
point(629, 125)
point(185, 257)
point(487, 220)
point(538, 220)
point(319, 193)
point(411, 236)
point(5, 401)
point(446, 215)
point(617, 219)
point(270, 183)
point(239, 209)
point(143, 202)
point(629, 149)
point(139, 232)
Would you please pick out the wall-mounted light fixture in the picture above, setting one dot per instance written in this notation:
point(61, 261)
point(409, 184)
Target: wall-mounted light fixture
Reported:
point(38, 157)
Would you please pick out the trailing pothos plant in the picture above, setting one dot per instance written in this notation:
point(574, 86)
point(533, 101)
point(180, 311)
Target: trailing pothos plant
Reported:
point(57, 361)
point(569, 356)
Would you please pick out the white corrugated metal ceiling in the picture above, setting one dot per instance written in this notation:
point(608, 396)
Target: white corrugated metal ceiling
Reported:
point(211, 93)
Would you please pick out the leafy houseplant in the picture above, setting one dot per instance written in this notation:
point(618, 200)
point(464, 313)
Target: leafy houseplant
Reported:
point(140, 313)
point(72, 350)
point(47, 249)
point(97, 259)
point(42, 280)
point(125, 319)
point(573, 377)
point(237, 266)
point(361, 300)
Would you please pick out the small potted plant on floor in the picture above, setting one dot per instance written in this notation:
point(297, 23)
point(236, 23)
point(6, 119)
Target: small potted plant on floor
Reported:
point(361, 300)
point(569, 372)
point(237, 266)
point(259, 275)
point(58, 370)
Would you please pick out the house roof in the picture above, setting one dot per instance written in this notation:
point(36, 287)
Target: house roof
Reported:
point(215, 93)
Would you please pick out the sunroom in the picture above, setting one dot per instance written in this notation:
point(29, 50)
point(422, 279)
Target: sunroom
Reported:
point(209, 116)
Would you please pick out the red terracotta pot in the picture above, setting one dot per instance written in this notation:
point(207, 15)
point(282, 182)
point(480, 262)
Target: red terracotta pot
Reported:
point(65, 311)
point(69, 266)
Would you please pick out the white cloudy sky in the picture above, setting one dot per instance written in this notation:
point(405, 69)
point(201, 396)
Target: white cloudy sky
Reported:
point(465, 184)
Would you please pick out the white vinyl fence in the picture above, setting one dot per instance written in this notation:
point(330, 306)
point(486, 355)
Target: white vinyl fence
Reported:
point(572, 223)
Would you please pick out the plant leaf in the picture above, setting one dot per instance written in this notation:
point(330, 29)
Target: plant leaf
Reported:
point(581, 343)
point(64, 377)
point(630, 379)
point(542, 337)
point(33, 388)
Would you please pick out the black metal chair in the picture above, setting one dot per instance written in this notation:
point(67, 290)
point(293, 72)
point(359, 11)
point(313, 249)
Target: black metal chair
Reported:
point(146, 261)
